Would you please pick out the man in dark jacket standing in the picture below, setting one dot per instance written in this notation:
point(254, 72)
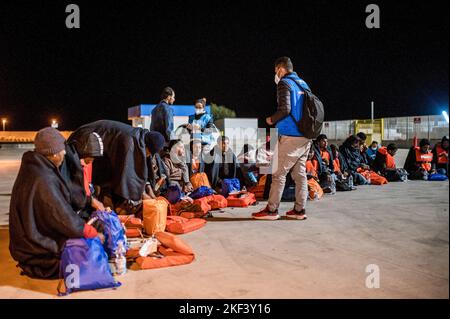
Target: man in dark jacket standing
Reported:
point(293, 147)
point(162, 115)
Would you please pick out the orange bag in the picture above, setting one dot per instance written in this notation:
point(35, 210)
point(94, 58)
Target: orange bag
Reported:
point(181, 225)
point(199, 179)
point(375, 179)
point(217, 202)
point(133, 232)
point(204, 206)
point(175, 252)
point(245, 201)
point(258, 190)
point(130, 221)
point(314, 189)
point(155, 215)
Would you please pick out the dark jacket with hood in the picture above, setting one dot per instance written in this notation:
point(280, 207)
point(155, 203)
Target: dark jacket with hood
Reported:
point(351, 158)
point(122, 171)
point(87, 145)
point(323, 167)
point(41, 217)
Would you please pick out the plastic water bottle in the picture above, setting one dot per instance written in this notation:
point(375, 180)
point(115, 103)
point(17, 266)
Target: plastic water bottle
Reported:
point(121, 260)
point(252, 177)
point(350, 181)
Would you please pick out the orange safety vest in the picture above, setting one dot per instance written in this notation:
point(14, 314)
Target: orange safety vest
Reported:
point(441, 154)
point(390, 161)
point(325, 155)
point(337, 165)
point(424, 159)
point(311, 167)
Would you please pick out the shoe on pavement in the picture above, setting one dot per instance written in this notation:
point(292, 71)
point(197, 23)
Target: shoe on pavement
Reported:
point(266, 214)
point(296, 215)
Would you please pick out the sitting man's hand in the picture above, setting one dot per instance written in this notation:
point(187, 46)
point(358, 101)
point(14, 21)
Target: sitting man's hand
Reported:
point(188, 188)
point(97, 205)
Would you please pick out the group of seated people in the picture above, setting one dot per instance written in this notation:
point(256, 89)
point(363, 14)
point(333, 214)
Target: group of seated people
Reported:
point(108, 164)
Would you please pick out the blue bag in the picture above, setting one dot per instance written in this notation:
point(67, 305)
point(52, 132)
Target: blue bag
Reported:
point(174, 194)
point(84, 266)
point(230, 185)
point(201, 192)
point(437, 177)
point(113, 231)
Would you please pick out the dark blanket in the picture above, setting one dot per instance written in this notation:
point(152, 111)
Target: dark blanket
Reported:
point(41, 217)
point(122, 171)
point(72, 171)
point(323, 167)
point(351, 158)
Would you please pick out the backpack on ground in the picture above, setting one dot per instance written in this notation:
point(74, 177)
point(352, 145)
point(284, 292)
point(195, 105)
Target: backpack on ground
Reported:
point(437, 177)
point(113, 231)
point(230, 185)
point(174, 194)
point(201, 192)
point(84, 266)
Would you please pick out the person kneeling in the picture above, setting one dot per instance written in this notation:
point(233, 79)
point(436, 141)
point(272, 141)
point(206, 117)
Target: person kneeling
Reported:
point(41, 217)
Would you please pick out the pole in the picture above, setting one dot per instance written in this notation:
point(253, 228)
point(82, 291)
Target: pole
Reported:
point(372, 111)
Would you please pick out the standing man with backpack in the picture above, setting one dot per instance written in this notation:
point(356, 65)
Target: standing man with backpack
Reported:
point(299, 119)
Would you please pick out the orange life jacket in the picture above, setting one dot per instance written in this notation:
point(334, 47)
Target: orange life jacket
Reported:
point(390, 160)
point(325, 155)
point(441, 154)
point(337, 165)
point(312, 167)
point(424, 159)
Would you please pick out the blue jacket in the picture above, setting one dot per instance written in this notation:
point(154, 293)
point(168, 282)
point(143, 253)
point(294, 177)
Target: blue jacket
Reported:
point(206, 122)
point(162, 120)
point(290, 97)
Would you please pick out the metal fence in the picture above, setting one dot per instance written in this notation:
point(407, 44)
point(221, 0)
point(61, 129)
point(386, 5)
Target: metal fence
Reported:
point(432, 127)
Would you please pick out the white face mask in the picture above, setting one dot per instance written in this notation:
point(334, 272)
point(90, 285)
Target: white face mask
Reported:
point(199, 111)
point(277, 79)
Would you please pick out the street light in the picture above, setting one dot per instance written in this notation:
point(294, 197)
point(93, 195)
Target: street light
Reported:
point(54, 123)
point(4, 121)
point(444, 113)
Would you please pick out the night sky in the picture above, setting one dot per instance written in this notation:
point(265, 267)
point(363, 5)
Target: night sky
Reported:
point(124, 54)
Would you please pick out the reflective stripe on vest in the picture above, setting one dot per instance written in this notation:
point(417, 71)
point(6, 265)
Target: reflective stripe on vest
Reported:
point(424, 159)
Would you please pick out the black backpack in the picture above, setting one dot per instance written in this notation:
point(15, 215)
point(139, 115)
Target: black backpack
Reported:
point(313, 115)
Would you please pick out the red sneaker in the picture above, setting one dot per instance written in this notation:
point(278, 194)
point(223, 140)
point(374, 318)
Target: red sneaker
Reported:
point(266, 214)
point(296, 215)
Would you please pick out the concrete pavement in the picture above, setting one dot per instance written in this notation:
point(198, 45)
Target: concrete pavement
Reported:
point(403, 228)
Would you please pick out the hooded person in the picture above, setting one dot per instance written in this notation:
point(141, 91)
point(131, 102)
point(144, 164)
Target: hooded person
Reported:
point(440, 156)
point(77, 170)
point(122, 172)
point(158, 178)
point(352, 159)
point(41, 216)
